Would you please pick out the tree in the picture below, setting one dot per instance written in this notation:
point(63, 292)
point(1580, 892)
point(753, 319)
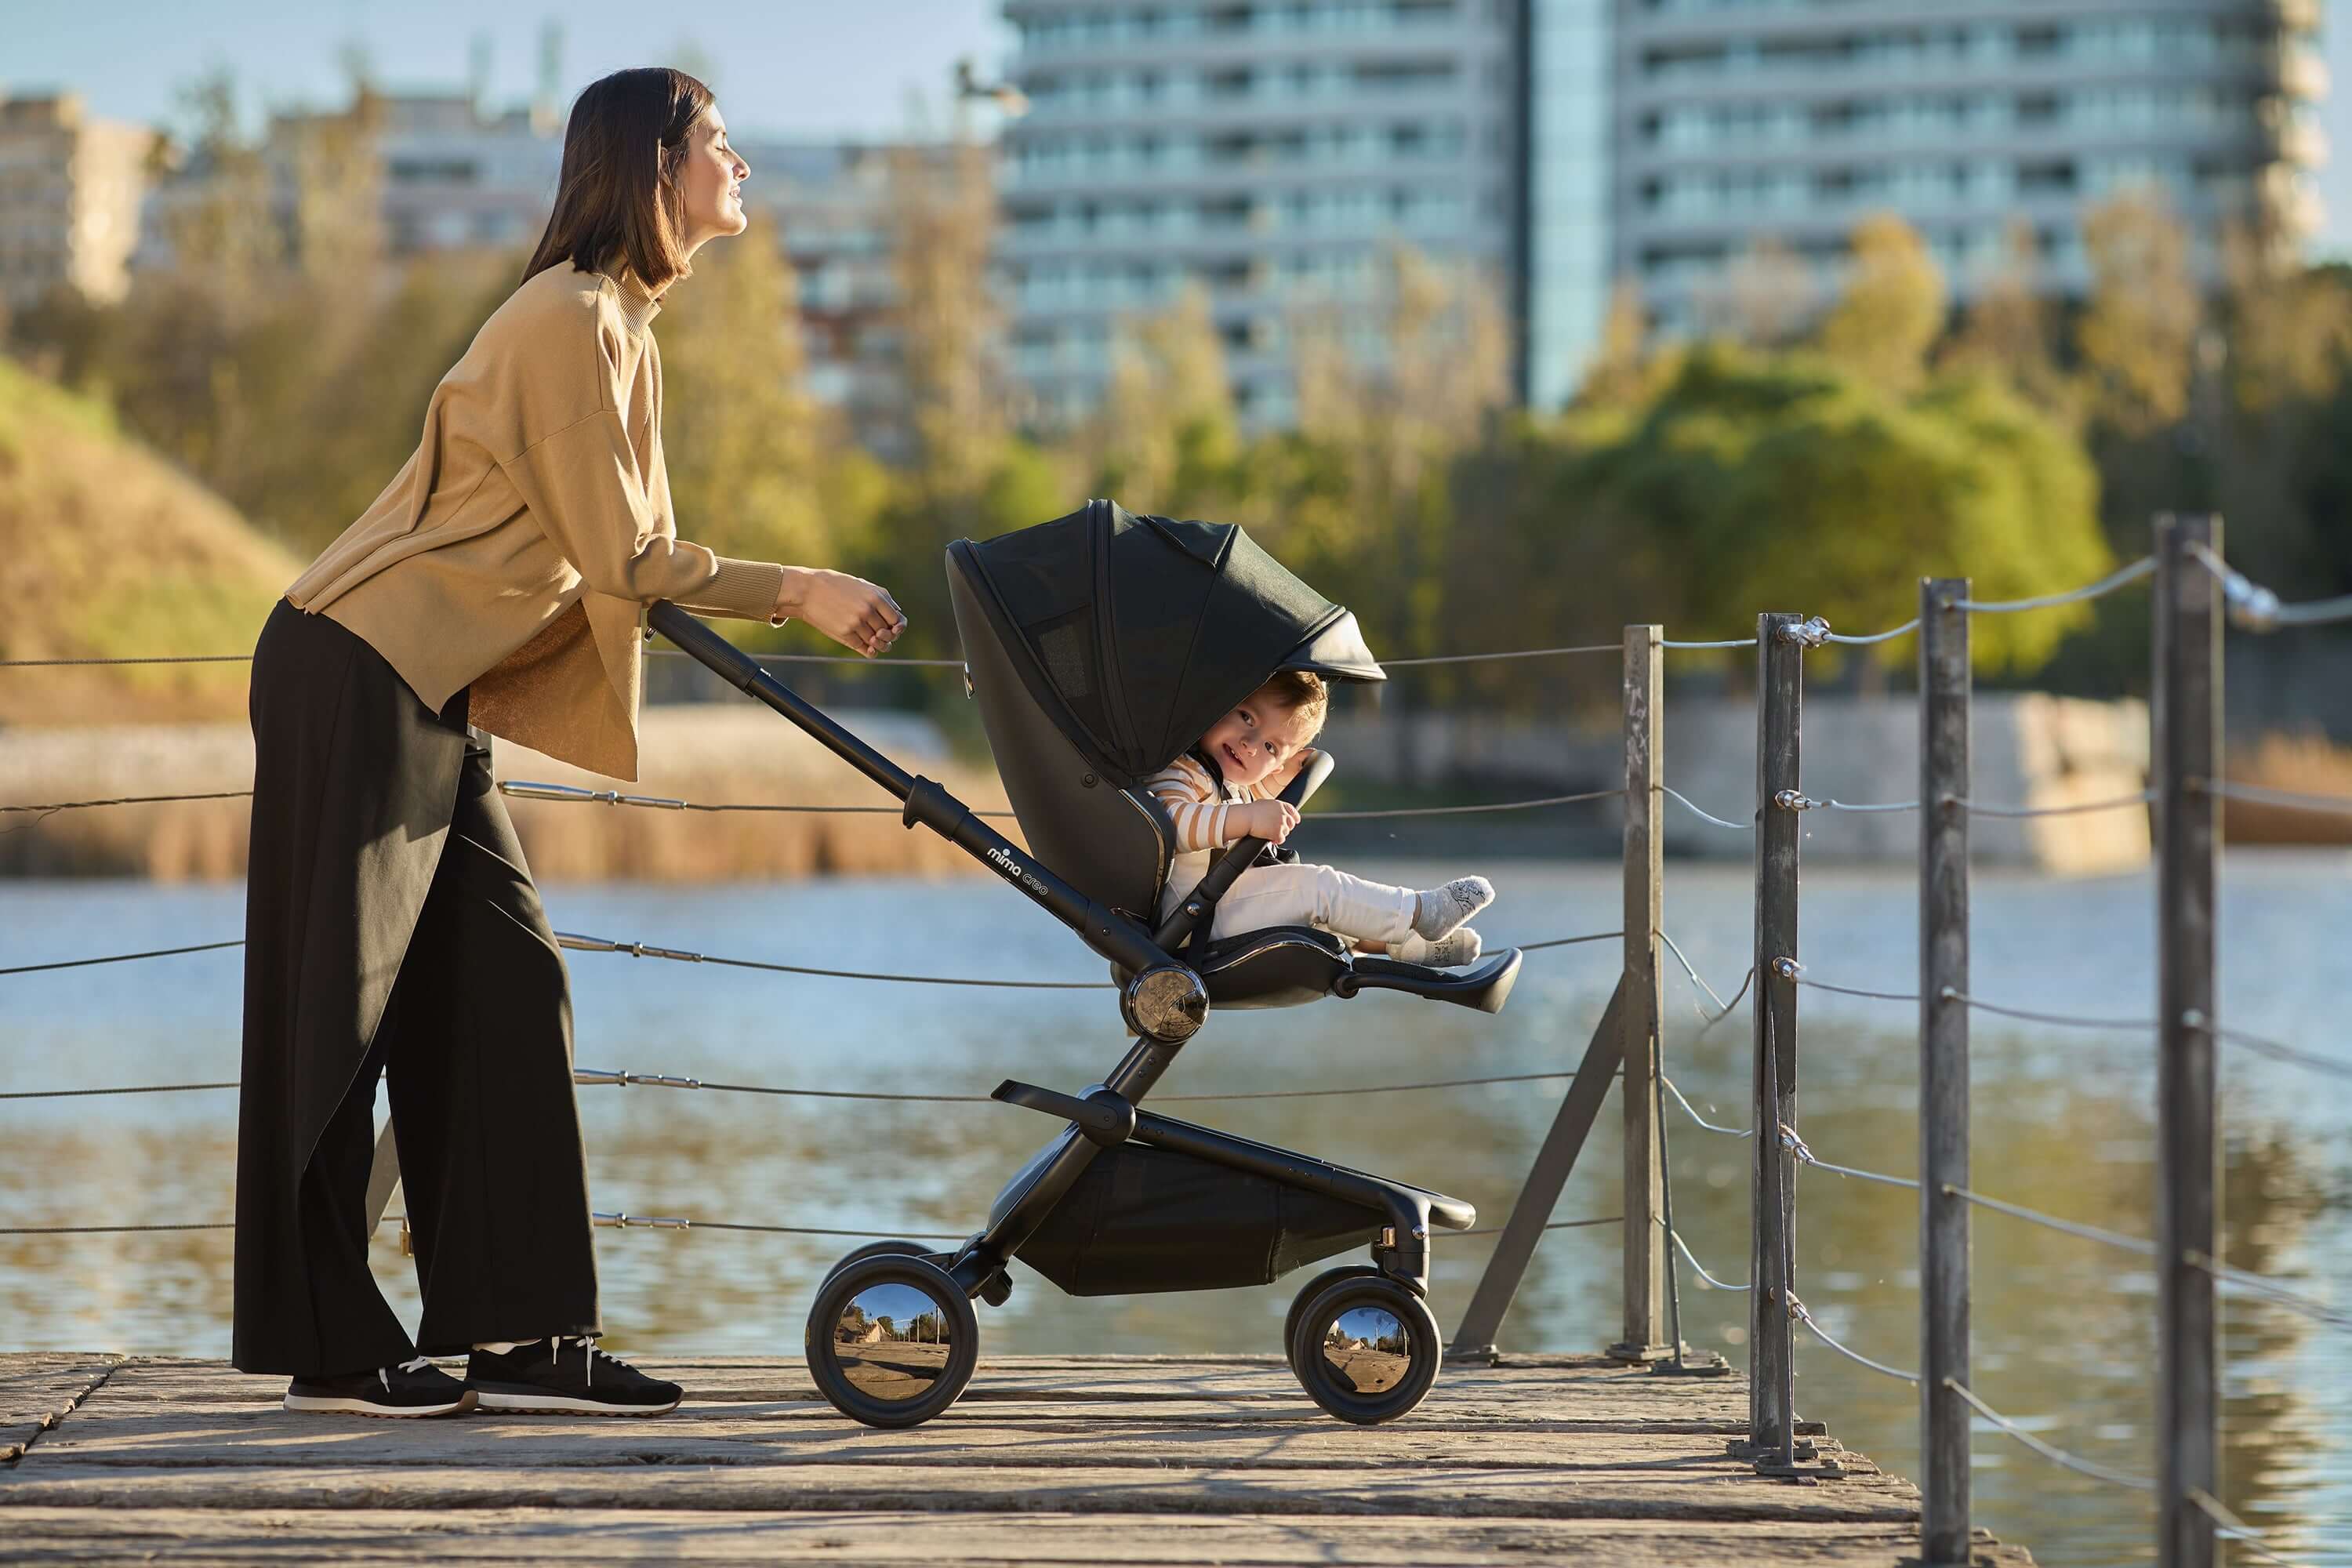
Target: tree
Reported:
point(1619, 370)
point(943, 222)
point(1377, 432)
point(2007, 330)
point(1891, 311)
point(1763, 298)
point(2141, 326)
point(1754, 480)
point(1165, 438)
point(755, 462)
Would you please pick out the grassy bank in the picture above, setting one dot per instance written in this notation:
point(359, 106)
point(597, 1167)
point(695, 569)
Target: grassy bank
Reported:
point(109, 551)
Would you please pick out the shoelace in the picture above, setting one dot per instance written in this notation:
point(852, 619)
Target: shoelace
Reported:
point(588, 1351)
point(383, 1374)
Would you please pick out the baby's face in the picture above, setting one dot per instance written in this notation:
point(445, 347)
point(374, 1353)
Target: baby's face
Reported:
point(1254, 738)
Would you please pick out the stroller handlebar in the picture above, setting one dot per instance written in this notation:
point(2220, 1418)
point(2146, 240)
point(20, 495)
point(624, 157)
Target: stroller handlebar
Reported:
point(927, 802)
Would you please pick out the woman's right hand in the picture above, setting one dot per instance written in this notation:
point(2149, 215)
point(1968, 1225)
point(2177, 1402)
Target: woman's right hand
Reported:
point(861, 616)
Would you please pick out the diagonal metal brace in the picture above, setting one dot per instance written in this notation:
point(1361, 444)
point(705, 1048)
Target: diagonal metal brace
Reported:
point(1546, 1177)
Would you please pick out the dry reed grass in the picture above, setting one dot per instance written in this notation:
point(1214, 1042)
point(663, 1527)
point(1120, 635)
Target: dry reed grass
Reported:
point(2307, 764)
point(692, 752)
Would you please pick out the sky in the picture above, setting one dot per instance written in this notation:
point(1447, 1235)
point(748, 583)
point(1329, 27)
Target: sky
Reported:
point(792, 68)
point(788, 67)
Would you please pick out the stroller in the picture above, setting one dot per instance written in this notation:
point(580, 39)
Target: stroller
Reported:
point(1098, 646)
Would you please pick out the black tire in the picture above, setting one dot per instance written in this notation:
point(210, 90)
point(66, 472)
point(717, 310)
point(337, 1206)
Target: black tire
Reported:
point(1373, 1381)
point(882, 1250)
point(1313, 1289)
point(881, 1378)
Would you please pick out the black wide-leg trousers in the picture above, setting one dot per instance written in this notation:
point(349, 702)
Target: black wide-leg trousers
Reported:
point(393, 930)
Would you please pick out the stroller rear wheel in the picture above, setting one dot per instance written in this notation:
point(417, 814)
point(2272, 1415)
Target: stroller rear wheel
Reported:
point(1366, 1349)
point(892, 1339)
point(1314, 1287)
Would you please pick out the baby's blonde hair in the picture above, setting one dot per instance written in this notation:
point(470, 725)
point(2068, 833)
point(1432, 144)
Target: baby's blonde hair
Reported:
point(1303, 692)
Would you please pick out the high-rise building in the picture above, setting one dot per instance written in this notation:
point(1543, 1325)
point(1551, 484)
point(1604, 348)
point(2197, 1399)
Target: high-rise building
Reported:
point(455, 176)
point(70, 192)
point(832, 204)
point(1736, 120)
point(1269, 151)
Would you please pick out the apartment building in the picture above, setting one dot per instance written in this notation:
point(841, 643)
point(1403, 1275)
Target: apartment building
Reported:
point(70, 185)
point(1270, 150)
point(1740, 119)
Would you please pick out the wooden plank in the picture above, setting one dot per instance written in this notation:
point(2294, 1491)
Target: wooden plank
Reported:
point(1643, 1001)
point(1703, 1487)
point(1780, 690)
point(38, 1389)
point(201, 1537)
point(2187, 714)
point(1539, 1386)
point(1944, 788)
point(271, 1439)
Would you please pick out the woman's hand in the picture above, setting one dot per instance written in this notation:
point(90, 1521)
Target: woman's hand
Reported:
point(859, 616)
point(1271, 820)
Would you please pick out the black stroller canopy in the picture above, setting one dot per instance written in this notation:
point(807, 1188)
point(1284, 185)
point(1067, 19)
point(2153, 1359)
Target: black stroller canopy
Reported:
point(1136, 633)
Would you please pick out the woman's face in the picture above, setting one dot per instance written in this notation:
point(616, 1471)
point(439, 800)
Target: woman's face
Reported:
point(712, 178)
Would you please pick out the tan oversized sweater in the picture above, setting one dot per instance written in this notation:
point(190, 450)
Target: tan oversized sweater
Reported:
point(517, 548)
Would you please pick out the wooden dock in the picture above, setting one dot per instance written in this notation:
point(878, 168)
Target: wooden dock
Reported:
point(1076, 1459)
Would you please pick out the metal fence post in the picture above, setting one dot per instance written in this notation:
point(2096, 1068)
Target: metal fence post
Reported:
point(1643, 1000)
point(1780, 684)
point(2187, 716)
point(1944, 788)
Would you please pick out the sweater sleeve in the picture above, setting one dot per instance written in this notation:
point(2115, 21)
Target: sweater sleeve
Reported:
point(581, 483)
point(1193, 806)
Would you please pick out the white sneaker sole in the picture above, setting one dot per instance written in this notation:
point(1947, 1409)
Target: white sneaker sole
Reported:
point(567, 1404)
point(338, 1405)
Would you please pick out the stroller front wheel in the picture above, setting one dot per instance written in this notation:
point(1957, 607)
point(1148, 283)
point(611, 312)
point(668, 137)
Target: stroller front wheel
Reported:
point(892, 1339)
point(1366, 1349)
point(882, 1250)
point(1314, 1287)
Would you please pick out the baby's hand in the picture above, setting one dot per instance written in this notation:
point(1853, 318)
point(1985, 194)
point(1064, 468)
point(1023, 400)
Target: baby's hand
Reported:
point(1271, 820)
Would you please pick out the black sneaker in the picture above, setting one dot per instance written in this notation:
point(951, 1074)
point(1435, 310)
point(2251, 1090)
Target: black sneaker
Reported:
point(566, 1374)
point(410, 1388)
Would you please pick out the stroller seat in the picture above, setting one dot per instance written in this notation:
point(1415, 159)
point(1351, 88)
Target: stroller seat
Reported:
point(1085, 691)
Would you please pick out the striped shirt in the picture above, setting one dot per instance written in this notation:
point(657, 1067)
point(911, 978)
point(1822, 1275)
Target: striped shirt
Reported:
point(1198, 804)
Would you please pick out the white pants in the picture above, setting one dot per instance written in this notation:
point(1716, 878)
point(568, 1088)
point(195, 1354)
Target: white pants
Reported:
point(1298, 894)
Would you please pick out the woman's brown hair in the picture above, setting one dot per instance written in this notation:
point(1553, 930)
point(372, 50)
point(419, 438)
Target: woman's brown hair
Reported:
point(618, 202)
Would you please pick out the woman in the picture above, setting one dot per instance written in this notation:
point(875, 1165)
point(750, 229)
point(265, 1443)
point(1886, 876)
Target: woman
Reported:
point(498, 582)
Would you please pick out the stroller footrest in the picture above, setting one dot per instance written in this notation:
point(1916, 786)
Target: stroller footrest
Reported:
point(1104, 1118)
point(1487, 987)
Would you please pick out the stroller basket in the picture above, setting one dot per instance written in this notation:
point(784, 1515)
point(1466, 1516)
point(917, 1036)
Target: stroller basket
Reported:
point(1145, 1219)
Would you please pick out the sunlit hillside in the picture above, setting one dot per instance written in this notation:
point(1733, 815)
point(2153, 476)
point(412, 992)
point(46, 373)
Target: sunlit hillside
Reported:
point(107, 551)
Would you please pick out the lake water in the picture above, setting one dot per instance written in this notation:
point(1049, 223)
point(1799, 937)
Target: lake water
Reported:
point(2065, 1328)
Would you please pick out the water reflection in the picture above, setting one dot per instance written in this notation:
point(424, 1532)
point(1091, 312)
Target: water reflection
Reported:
point(2064, 1328)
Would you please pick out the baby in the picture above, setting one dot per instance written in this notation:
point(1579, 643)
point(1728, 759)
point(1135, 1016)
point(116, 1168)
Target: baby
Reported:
point(1223, 789)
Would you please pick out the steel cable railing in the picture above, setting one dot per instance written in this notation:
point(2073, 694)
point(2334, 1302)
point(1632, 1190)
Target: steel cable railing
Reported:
point(2248, 601)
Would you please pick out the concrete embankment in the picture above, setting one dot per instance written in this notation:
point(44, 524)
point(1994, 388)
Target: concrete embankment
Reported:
point(2031, 750)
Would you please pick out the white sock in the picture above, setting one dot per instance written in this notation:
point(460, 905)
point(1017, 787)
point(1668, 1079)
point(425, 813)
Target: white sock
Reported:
point(1456, 947)
point(504, 1347)
point(1441, 910)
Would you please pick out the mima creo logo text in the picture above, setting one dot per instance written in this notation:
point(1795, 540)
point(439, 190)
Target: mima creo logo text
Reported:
point(1012, 869)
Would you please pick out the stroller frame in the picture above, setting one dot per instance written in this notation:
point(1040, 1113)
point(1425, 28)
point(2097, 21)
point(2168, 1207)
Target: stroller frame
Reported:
point(1163, 1001)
